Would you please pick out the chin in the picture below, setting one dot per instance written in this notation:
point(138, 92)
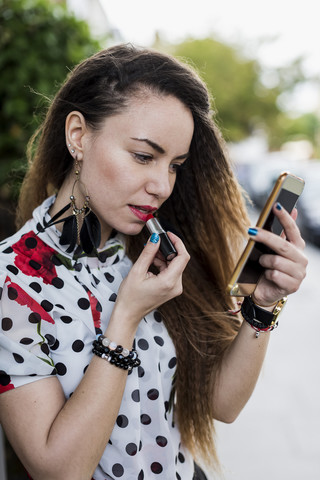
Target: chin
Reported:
point(131, 229)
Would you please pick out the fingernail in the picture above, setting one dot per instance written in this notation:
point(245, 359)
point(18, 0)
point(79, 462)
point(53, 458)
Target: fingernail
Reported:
point(252, 231)
point(154, 238)
point(278, 206)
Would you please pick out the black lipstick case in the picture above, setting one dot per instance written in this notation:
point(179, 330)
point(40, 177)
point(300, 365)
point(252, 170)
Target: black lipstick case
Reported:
point(166, 247)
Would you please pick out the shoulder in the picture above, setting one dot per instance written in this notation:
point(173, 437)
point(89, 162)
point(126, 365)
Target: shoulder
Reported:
point(9, 251)
point(24, 252)
point(9, 241)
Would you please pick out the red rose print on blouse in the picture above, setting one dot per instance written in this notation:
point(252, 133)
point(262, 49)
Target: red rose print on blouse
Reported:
point(34, 257)
point(5, 382)
point(16, 293)
point(95, 309)
point(6, 388)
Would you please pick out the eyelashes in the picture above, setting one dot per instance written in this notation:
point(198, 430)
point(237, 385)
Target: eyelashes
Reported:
point(142, 157)
point(145, 159)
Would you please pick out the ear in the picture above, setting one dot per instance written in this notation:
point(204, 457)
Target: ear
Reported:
point(75, 129)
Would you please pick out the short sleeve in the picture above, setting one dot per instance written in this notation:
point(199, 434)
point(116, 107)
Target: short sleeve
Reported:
point(26, 330)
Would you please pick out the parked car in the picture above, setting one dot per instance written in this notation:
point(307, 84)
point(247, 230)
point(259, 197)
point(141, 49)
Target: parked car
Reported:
point(261, 176)
point(258, 179)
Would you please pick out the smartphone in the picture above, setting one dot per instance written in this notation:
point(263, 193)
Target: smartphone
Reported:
point(248, 270)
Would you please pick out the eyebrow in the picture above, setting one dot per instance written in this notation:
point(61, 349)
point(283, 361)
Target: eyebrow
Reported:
point(158, 148)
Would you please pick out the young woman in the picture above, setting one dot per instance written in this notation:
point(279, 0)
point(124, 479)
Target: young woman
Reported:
point(115, 361)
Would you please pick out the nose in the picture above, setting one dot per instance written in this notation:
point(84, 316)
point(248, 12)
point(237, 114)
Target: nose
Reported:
point(160, 182)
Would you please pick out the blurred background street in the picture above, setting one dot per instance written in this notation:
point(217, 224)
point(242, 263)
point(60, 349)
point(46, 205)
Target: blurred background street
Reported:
point(277, 435)
point(261, 62)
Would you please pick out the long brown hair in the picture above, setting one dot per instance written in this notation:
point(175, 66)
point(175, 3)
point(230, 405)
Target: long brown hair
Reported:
point(206, 207)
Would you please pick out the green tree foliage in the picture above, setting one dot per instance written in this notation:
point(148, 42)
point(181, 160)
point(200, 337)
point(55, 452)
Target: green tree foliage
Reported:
point(39, 42)
point(242, 98)
point(304, 127)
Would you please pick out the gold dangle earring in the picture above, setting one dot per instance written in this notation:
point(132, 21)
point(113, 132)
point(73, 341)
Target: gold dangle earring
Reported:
point(79, 213)
point(82, 227)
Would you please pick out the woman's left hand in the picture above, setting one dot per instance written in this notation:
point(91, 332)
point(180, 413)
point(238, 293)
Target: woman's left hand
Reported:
point(285, 269)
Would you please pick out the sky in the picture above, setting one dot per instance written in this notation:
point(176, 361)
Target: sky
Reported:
point(292, 27)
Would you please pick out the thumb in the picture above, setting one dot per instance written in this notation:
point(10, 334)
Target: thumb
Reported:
point(148, 253)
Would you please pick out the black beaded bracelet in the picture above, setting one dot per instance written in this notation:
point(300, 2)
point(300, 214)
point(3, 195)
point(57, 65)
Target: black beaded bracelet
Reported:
point(130, 359)
point(115, 354)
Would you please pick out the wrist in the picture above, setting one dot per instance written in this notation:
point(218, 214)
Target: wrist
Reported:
point(115, 354)
point(121, 329)
point(259, 318)
point(269, 307)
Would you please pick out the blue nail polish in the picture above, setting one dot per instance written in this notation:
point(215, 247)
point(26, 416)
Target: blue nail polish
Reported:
point(278, 206)
point(154, 238)
point(252, 231)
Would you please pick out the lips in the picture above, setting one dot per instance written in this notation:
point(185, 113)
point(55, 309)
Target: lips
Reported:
point(142, 211)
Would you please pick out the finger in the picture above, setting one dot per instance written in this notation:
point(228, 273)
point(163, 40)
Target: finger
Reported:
point(279, 245)
point(160, 263)
point(291, 230)
point(283, 265)
point(171, 273)
point(294, 214)
point(183, 256)
point(284, 283)
point(147, 255)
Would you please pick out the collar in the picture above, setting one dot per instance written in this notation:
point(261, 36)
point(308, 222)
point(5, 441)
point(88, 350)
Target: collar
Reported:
point(112, 252)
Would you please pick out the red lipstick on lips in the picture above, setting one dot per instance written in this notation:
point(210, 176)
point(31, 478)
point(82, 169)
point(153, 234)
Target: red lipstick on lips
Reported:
point(142, 211)
point(166, 247)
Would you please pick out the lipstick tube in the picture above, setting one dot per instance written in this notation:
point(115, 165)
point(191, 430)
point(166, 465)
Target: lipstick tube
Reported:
point(166, 247)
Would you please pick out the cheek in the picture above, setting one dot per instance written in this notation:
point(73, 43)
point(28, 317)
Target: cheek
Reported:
point(112, 182)
point(107, 172)
point(99, 171)
point(118, 178)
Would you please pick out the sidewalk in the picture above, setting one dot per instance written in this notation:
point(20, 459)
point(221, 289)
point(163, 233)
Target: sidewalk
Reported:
point(277, 436)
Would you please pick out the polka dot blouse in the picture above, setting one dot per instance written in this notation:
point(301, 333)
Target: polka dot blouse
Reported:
point(52, 306)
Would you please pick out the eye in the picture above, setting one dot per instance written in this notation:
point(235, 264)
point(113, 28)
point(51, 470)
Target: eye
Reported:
point(174, 167)
point(142, 157)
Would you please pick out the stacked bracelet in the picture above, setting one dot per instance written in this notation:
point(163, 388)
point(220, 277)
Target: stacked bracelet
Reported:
point(115, 354)
point(258, 318)
point(260, 327)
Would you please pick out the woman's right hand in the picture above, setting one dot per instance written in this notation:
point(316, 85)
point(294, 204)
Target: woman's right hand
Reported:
point(142, 291)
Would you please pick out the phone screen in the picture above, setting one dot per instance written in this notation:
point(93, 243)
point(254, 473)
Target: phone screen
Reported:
point(253, 270)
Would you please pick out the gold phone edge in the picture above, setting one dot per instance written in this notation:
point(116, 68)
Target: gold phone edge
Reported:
point(242, 290)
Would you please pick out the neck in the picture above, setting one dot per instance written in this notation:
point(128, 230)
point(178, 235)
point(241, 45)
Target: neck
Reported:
point(63, 199)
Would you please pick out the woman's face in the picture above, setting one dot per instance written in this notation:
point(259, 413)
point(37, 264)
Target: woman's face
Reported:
point(129, 167)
